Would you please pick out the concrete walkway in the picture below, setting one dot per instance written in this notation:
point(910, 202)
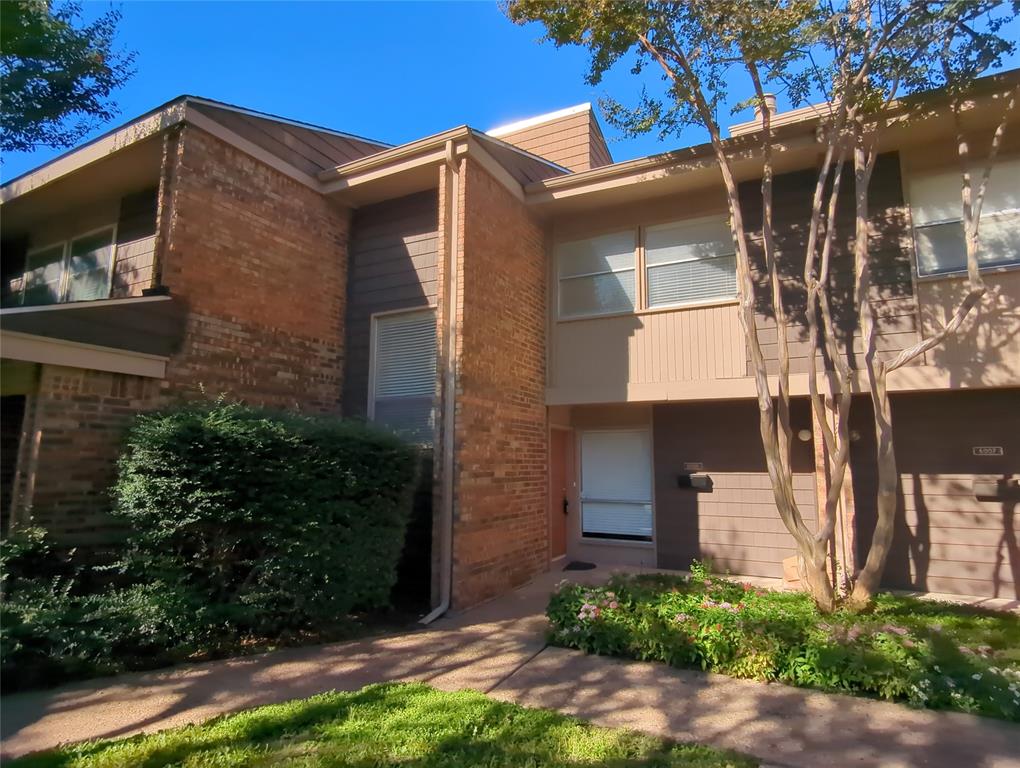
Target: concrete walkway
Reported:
point(499, 649)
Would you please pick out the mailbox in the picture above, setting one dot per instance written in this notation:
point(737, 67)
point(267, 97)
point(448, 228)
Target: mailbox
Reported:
point(695, 482)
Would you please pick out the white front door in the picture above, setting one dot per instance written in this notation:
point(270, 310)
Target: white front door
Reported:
point(616, 484)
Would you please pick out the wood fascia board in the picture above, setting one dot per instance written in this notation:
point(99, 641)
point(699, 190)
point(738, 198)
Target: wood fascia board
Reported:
point(96, 150)
point(391, 158)
point(70, 305)
point(913, 378)
point(49, 351)
point(647, 169)
point(373, 174)
point(210, 126)
point(479, 154)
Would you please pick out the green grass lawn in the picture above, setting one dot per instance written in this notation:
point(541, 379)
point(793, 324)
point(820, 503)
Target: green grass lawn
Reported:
point(924, 653)
point(411, 726)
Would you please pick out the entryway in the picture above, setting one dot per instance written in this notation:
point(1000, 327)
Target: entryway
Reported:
point(561, 463)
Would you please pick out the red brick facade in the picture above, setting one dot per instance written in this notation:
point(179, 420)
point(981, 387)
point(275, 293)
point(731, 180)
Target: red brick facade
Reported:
point(500, 517)
point(260, 262)
point(71, 432)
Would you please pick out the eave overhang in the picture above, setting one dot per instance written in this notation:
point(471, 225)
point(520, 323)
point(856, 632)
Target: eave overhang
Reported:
point(131, 335)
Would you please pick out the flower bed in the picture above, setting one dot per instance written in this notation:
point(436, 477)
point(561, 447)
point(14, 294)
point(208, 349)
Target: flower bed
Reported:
point(924, 653)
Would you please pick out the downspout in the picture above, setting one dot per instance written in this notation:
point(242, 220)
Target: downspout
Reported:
point(452, 200)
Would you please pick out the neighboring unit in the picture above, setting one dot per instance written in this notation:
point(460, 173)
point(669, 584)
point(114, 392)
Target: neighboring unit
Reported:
point(558, 332)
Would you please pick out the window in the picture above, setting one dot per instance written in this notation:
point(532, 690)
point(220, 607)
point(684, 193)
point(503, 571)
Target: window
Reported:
point(690, 261)
point(938, 227)
point(75, 270)
point(616, 484)
point(404, 374)
point(596, 276)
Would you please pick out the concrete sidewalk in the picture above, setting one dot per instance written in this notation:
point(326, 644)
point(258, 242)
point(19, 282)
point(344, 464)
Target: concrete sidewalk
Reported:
point(499, 648)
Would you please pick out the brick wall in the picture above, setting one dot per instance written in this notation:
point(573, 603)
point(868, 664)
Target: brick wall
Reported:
point(500, 516)
point(72, 427)
point(260, 262)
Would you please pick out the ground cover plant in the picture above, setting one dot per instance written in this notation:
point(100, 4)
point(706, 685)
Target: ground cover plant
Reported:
point(244, 529)
point(408, 725)
point(924, 653)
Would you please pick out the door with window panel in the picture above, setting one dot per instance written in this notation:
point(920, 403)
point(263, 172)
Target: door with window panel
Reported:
point(616, 484)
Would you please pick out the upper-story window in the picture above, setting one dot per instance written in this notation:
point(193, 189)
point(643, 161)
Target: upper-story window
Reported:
point(937, 211)
point(74, 270)
point(682, 262)
point(596, 276)
point(403, 386)
point(690, 261)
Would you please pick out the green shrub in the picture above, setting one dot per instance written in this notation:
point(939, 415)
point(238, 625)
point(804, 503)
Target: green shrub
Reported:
point(242, 524)
point(275, 522)
point(922, 653)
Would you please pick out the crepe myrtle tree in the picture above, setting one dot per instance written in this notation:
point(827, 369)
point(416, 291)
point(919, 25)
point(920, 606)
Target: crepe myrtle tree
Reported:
point(863, 59)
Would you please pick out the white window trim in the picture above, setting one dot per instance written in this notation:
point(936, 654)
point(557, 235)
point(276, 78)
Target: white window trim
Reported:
point(560, 279)
point(65, 257)
point(986, 268)
point(692, 303)
point(373, 355)
point(581, 498)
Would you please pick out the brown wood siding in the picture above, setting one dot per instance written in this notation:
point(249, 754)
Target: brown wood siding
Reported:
point(598, 150)
point(892, 291)
point(736, 525)
point(566, 141)
point(394, 251)
point(947, 539)
point(136, 244)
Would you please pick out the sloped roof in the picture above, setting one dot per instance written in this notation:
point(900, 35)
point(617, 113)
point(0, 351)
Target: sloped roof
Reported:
point(523, 166)
point(307, 147)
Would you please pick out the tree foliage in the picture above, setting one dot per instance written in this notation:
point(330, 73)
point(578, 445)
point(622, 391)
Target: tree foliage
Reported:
point(865, 60)
point(56, 73)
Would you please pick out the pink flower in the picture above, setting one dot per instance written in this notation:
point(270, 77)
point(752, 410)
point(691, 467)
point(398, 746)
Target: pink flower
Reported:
point(614, 605)
point(708, 582)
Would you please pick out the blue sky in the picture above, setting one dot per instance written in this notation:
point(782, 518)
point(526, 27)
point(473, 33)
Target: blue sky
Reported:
point(385, 70)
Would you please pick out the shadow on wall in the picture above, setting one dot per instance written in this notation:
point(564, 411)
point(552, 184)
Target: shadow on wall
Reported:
point(955, 527)
point(988, 344)
point(892, 292)
point(735, 524)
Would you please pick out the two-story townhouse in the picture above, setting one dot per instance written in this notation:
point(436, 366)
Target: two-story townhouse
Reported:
point(559, 330)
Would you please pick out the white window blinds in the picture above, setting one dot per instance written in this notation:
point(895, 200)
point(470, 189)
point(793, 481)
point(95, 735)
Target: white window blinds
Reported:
point(690, 261)
point(596, 276)
point(78, 270)
point(404, 374)
point(616, 484)
point(937, 212)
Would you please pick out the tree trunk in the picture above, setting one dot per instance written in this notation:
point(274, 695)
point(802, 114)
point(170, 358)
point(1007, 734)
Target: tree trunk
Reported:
point(867, 583)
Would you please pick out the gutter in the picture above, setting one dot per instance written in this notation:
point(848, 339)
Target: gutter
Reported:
point(449, 385)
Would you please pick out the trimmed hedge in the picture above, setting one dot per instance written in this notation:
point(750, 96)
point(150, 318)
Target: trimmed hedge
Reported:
point(242, 524)
point(280, 521)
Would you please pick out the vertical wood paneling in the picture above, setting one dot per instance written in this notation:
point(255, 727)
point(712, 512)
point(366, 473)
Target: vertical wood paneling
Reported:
point(656, 348)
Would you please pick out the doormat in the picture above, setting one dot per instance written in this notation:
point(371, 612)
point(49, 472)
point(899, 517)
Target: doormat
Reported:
point(577, 565)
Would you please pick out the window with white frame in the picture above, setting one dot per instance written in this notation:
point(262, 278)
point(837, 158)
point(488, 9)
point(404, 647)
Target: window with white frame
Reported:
point(690, 261)
point(937, 212)
point(616, 484)
point(597, 276)
point(75, 270)
point(404, 373)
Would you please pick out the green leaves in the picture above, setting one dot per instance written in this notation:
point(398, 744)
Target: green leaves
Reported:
point(922, 653)
point(288, 521)
point(56, 76)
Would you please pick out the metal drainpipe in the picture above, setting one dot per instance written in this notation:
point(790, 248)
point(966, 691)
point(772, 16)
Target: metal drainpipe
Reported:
point(449, 387)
